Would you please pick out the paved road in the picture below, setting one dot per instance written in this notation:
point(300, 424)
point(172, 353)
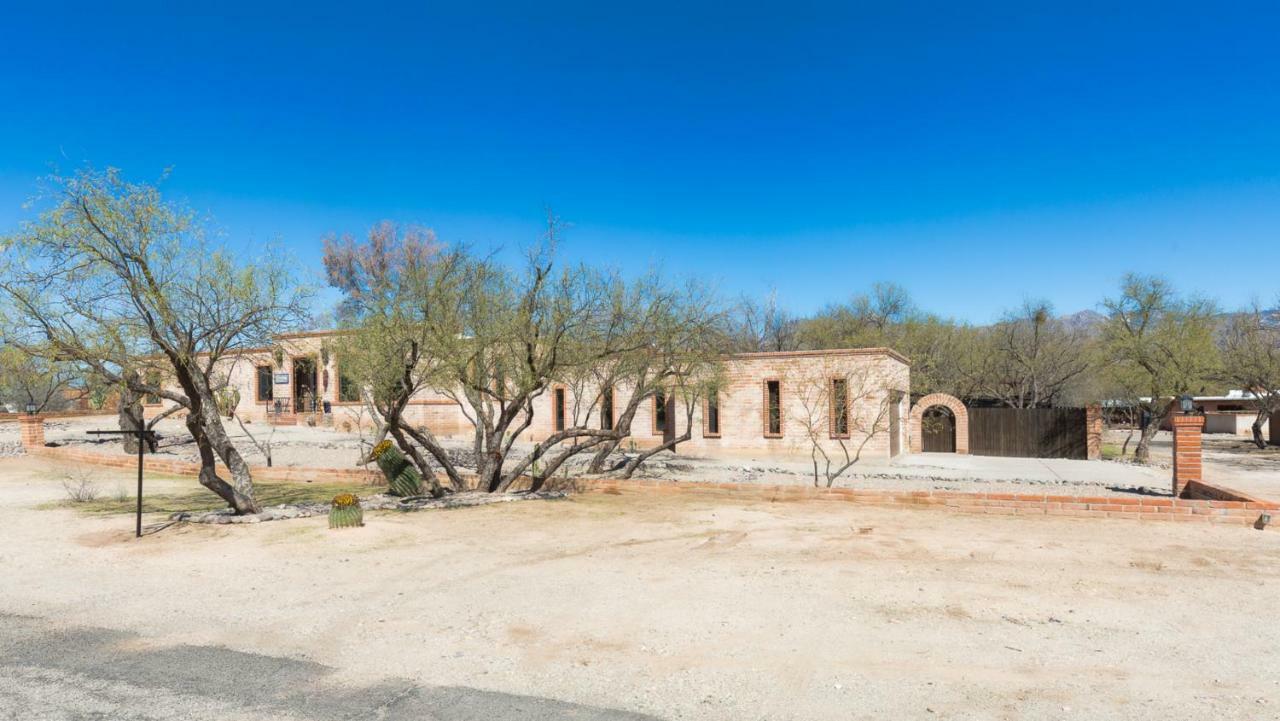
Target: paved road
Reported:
point(53, 673)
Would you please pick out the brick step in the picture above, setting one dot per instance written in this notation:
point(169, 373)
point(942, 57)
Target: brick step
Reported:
point(284, 419)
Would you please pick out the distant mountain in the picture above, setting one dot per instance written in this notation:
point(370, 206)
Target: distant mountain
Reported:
point(1085, 320)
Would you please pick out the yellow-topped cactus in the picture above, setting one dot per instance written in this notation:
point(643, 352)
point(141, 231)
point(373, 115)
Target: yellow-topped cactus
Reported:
point(402, 478)
point(346, 511)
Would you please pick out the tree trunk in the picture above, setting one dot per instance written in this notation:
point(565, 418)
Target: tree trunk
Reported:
point(1142, 452)
point(1258, 438)
point(130, 418)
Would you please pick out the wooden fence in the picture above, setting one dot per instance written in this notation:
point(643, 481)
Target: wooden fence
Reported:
point(1028, 432)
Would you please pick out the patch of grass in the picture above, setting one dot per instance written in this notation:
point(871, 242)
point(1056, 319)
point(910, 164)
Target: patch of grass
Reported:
point(200, 499)
point(1111, 451)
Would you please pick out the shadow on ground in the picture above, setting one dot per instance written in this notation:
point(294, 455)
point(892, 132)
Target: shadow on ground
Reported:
point(50, 672)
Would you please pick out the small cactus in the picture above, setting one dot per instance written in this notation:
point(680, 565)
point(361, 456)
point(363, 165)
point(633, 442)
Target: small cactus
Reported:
point(346, 512)
point(402, 477)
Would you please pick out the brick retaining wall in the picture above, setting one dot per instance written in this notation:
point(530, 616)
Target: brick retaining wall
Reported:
point(1146, 508)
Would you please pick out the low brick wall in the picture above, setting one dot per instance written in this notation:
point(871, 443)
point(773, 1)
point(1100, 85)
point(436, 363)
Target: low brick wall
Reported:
point(1222, 509)
point(1144, 508)
point(184, 468)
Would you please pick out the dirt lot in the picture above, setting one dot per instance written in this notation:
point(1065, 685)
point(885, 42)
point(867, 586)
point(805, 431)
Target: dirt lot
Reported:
point(683, 608)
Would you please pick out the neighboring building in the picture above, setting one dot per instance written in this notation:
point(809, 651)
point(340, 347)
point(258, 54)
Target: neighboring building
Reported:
point(1233, 413)
point(762, 406)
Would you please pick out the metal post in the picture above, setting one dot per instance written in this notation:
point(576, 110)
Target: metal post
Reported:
point(138, 525)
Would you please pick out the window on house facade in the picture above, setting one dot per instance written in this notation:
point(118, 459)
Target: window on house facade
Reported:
point(773, 409)
point(839, 408)
point(151, 399)
point(265, 384)
point(558, 411)
point(659, 413)
point(606, 409)
point(712, 416)
point(348, 388)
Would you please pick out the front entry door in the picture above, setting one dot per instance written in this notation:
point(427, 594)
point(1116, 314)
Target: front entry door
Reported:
point(304, 385)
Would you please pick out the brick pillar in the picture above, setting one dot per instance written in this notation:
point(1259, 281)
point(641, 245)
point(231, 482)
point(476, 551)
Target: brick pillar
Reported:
point(32, 431)
point(1093, 432)
point(1186, 450)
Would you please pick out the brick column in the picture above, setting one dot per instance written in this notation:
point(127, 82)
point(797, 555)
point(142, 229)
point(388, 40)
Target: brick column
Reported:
point(1186, 450)
point(1093, 432)
point(32, 431)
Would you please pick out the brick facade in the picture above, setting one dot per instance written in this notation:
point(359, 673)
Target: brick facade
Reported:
point(957, 409)
point(1093, 432)
point(875, 378)
point(32, 429)
point(1186, 450)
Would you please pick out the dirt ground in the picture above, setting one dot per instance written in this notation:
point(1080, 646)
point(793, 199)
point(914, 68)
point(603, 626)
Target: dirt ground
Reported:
point(685, 608)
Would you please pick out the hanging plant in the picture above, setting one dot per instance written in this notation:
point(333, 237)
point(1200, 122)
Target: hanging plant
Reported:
point(277, 354)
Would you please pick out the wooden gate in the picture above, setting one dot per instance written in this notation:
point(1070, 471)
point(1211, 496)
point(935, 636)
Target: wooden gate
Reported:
point(1028, 432)
point(938, 430)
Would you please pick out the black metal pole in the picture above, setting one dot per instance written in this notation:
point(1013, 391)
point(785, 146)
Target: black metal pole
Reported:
point(138, 528)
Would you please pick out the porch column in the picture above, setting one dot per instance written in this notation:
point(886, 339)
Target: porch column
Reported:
point(1186, 450)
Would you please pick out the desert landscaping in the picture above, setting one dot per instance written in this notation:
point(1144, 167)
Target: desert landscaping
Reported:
point(622, 606)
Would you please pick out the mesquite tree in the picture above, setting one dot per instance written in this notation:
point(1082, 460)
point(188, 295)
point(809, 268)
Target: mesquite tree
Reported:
point(1157, 345)
point(841, 410)
point(117, 279)
point(494, 340)
point(1250, 345)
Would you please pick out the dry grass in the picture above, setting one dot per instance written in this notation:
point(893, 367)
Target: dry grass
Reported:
point(199, 499)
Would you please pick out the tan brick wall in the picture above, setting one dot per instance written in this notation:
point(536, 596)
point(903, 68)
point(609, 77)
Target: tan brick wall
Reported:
point(1093, 432)
point(32, 430)
point(742, 401)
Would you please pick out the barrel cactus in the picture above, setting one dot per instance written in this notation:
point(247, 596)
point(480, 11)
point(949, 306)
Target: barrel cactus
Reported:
point(403, 478)
point(345, 512)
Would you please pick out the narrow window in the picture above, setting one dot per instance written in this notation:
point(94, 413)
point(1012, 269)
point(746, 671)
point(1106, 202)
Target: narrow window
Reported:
point(839, 408)
point(151, 399)
point(606, 409)
point(266, 384)
point(659, 413)
point(713, 415)
point(348, 388)
point(558, 395)
point(773, 409)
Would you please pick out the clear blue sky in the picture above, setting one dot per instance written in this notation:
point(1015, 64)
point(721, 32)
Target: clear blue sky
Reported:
point(978, 153)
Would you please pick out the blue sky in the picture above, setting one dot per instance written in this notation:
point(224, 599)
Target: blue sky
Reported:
point(977, 153)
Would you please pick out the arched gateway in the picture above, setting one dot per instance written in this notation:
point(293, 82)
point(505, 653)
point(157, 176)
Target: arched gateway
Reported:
point(953, 420)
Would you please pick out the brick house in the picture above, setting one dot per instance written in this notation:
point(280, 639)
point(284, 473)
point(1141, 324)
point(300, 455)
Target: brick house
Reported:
point(767, 402)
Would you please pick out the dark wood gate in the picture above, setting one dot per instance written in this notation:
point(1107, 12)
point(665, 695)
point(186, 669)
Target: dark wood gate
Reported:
point(938, 430)
point(1028, 432)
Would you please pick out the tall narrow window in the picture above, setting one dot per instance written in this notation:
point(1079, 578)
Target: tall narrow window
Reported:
point(773, 409)
point(712, 416)
point(606, 409)
point(659, 413)
point(839, 408)
point(266, 384)
point(348, 388)
point(558, 396)
point(151, 399)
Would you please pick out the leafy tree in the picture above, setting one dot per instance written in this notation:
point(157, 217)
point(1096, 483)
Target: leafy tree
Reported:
point(124, 283)
point(37, 380)
point(1157, 345)
point(1250, 345)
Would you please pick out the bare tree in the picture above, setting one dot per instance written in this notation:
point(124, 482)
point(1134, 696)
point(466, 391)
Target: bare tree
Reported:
point(1250, 345)
point(1030, 359)
point(842, 410)
point(493, 340)
point(765, 325)
point(124, 283)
